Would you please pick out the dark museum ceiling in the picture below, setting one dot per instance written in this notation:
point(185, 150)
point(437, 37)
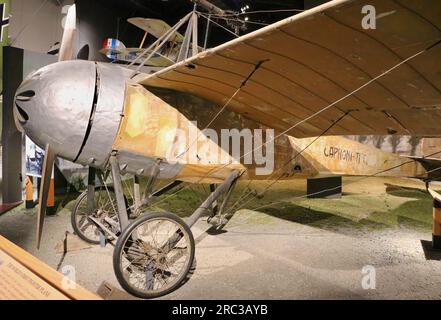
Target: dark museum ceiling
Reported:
point(177, 8)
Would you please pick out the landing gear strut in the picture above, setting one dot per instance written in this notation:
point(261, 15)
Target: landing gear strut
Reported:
point(154, 253)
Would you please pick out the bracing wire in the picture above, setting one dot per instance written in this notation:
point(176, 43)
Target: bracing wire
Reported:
point(235, 17)
point(273, 182)
point(352, 182)
point(219, 25)
point(259, 12)
point(30, 21)
point(346, 96)
point(319, 111)
point(242, 21)
point(243, 84)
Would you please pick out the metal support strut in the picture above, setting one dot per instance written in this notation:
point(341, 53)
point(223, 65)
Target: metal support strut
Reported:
point(213, 197)
point(148, 193)
point(224, 187)
point(137, 192)
point(436, 230)
point(119, 192)
point(91, 190)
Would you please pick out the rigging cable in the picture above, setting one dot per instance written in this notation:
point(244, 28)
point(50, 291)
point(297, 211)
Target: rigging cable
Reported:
point(243, 84)
point(349, 94)
point(320, 111)
point(259, 11)
point(286, 164)
point(242, 21)
point(30, 21)
point(219, 25)
point(361, 179)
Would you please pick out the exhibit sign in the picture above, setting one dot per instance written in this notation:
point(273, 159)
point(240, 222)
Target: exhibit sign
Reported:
point(19, 283)
point(24, 277)
point(34, 159)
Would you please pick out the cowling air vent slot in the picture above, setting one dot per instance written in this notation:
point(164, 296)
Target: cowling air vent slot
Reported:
point(25, 96)
point(22, 115)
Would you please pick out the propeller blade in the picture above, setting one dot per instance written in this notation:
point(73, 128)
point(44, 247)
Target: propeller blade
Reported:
point(48, 164)
point(67, 47)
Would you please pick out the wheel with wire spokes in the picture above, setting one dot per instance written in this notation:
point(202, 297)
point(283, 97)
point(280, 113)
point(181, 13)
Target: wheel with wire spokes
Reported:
point(105, 211)
point(153, 255)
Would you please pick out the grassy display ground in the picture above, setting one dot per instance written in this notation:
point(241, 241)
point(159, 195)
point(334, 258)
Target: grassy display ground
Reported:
point(373, 203)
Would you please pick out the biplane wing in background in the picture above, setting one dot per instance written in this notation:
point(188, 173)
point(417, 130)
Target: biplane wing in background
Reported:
point(156, 28)
point(321, 64)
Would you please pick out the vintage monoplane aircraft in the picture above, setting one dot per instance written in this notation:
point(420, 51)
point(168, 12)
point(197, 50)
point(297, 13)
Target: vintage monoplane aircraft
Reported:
point(321, 72)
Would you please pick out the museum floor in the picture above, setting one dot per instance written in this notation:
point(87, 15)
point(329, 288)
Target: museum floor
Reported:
point(296, 249)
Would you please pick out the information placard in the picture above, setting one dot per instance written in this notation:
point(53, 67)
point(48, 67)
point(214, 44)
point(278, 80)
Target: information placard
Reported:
point(19, 283)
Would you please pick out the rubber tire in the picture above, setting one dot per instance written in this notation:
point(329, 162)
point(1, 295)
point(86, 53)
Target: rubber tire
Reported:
point(77, 203)
point(127, 232)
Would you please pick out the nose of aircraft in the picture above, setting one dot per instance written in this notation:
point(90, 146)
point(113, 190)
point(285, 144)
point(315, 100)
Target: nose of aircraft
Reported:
point(53, 105)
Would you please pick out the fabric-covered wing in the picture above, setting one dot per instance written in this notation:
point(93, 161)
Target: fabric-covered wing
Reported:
point(319, 56)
